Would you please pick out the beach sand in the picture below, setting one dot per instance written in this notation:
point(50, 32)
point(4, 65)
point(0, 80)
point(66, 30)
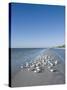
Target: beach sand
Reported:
point(30, 78)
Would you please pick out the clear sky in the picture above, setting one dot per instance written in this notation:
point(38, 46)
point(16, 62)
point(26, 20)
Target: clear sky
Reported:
point(37, 25)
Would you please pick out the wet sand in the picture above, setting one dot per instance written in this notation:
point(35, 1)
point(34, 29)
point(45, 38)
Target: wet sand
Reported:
point(30, 78)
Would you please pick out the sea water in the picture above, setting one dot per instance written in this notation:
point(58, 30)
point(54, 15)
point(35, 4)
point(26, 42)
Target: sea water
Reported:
point(60, 52)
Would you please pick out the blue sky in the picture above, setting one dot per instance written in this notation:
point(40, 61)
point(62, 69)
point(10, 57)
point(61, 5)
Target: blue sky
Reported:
point(37, 25)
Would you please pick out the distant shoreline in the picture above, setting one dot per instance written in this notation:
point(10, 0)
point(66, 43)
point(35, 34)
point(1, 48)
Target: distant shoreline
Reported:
point(59, 48)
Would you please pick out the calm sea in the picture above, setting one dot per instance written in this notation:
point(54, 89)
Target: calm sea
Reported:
point(60, 53)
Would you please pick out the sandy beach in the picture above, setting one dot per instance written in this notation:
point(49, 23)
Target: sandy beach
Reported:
point(30, 78)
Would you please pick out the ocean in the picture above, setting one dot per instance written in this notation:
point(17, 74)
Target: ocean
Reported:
point(60, 52)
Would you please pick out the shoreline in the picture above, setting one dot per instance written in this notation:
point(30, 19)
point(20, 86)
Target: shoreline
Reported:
point(59, 48)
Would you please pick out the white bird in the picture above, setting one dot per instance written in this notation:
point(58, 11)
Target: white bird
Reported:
point(35, 71)
point(27, 64)
point(22, 66)
point(52, 70)
point(56, 62)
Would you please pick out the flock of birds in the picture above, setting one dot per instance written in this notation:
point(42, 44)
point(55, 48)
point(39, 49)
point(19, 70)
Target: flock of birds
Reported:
point(38, 65)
